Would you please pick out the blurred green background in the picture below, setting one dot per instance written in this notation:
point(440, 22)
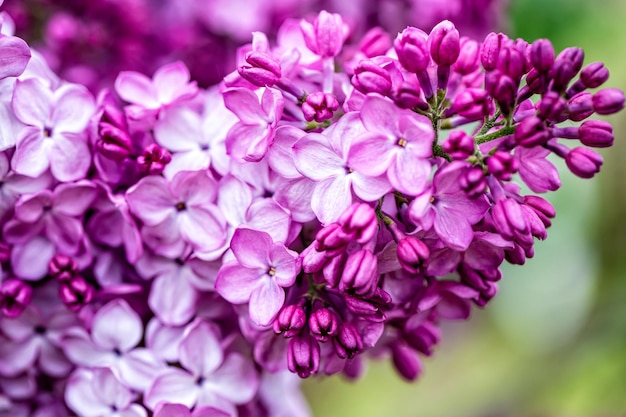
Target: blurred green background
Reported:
point(553, 342)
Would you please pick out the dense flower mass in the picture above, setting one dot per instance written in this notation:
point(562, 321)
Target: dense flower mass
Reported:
point(170, 250)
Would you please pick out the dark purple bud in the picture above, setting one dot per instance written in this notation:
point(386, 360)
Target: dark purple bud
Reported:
point(319, 106)
point(551, 106)
point(468, 57)
point(594, 75)
point(423, 338)
point(502, 165)
point(515, 256)
point(473, 182)
point(490, 49)
point(153, 159)
point(75, 293)
point(5, 252)
point(348, 342)
point(359, 222)
point(473, 104)
point(114, 143)
point(15, 296)
point(476, 278)
point(537, 82)
point(487, 294)
point(360, 273)
point(574, 55)
point(63, 267)
point(332, 239)
point(303, 356)
point(444, 43)
point(407, 96)
point(524, 49)
point(412, 49)
point(333, 270)
point(412, 254)
point(371, 78)
point(532, 131)
point(583, 162)
point(542, 208)
point(565, 67)
point(459, 145)
point(580, 106)
point(511, 62)
point(323, 324)
point(596, 133)
point(608, 101)
point(406, 361)
point(365, 308)
point(509, 219)
point(290, 320)
point(111, 115)
point(541, 54)
point(375, 42)
point(262, 69)
point(502, 88)
point(312, 260)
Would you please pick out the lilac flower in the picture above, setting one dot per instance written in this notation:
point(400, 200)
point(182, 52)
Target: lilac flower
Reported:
point(209, 377)
point(261, 268)
point(179, 410)
point(54, 135)
point(396, 143)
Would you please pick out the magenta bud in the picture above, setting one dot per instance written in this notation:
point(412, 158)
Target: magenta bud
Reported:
point(502, 165)
point(468, 57)
point(473, 104)
point(5, 252)
point(412, 49)
point(596, 133)
point(565, 67)
point(490, 49)
point(445, 43)
point(360, 273)
point(594, 75)
point(153, 159)
point(515, 256)
point(583, 162)
point(509, 219)
point(75, 293)
point(532, 131)
point(407, 96)
point(312, 260)
point(375, 42)
point(319, 106)
point(459, 145)
point(423, 338)
point(371, 78)
point(511, 62)
point(541, 54)
point(580, 106)
point(359, 222)
point(111, 115)
point(551, 106)
point(406, 361)
point(574, 55)
point(15, 296)
point(473, 182)
point(608, 101)
point(262, 69)
point(323, 324)
point(290, 320)
point(363, 307)
point(536, 81)
point(62, 267)
point(303, 356)
point(412, 254)
point(114, 143)
point(502, 88)
point(326, 35)
point(348, 342)
point(331, 239)
point(542, 208)
point(333, 270)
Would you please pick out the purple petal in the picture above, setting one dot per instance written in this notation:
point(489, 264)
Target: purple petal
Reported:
point(266, 301)
point(172, 298)
point(14, 56)
point(251, 248)
point(74, 199)
point(380, 116)
point(372, 154)
point(150, 200)
point(236, 380)
point(236, 283)
point(409, 174)
point(174, 386)
point(74, 106)
point(203, 227)
point(178, 129)
point(30, 260)
point(136, 88)
point(200, 351)
point(245, 104)
point(267, 216)
point(117, 326)
point(172, 83)
point(32, 153)
point(81, 397)
point(281, 157)
point(70, 157)
point(171, 410)
point(315, 159)
point(331, 198)
point(32, 101)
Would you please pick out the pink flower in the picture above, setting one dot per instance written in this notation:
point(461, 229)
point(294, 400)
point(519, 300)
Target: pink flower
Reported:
point(261, 268)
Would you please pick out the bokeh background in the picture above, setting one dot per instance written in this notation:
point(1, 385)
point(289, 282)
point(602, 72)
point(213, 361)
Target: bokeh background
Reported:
point(553, 342)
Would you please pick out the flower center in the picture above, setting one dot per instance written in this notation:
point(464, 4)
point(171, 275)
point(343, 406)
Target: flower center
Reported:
point(401, 142)
point(181, 206)
point(47, 132)
point(272, 271)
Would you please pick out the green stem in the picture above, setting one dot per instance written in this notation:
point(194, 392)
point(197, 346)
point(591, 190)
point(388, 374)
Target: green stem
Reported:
point(505, 131)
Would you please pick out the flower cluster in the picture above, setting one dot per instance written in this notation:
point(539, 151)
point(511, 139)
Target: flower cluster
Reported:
point(169, 250)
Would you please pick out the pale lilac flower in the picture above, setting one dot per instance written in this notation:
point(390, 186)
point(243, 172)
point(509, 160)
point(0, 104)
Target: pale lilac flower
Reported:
point(55, 133)
point(209, 376)
point(539, 174)
point(98, 393)
point(179, 410)
point(258, 275)
point(397, 143)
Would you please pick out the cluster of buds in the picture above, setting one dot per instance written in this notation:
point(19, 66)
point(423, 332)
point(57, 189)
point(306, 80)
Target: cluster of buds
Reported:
point(195, 251)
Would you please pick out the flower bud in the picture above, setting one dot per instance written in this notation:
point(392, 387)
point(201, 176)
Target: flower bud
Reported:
point(511, 62)
point(290, 320)
point(412, 49)
point(319, 106)
point(326, 35)
point(468, 57)
point(490, 49)
point(423, 338)
point(412, 254)
point(75, 293)
point(262, 69)
point(473, 182)
point(323, 324)
point(5, 252)
point(303, 356)
point(365, 308)
point(509, 219)
point(608, 101)
point(542, 208)
point(113, 143)
point(444, 43)
point(583, 162)
point(565, 67)
point(371, 78)
point(360, 273)
point(532, 131)
point(459, 145)
point(537, 82)
point(594, 75)
point(359, 222)
point(312, 260)
point(596, 133)
point(407, 96)
point(473, 104)
point(580, 106)
point(406, 361)
point(331, 239)
point(502, 165)
point(153, 159)
point(542, 55)
point(63, 267)
point(15, 296)
point(551, 106)
point(502, 88)
point(348, 342)
point(375, 42)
